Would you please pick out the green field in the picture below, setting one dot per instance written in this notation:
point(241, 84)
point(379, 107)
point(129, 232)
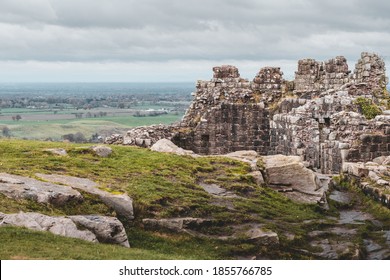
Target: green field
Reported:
point(105, 126)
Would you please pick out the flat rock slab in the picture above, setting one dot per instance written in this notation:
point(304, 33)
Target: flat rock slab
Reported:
point(216, 190)
point(167, 146)
point(335, 250)
point(101, 151)
point(19, 187)
point(94, 228)
point(354, 217)
point(107, 229)
point(121, 203)
point(375, 251)
point(246, 155)
point(262, 237)
point(57, 151)
point(290, 172)
point(341, 197)
point(175, 224)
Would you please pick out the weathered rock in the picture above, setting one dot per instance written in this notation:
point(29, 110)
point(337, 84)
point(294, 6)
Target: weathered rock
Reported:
point(121, 203)
point(166, 146)
point(19, 187)
point(335, 250)
point(355, 169)
point(106, 229)
point(262, 237)
point(290, 172)
point(101, 151)
point(341, 197)
point(58, 151)
point(146, 136)
point(95, 228)
point(375, 251)
point(372, 178)
point(246, 155)
point(175, 224)
point(216, 190)
point(353, 217)
point(114, 139)
point(57, 225)
point(226, 71)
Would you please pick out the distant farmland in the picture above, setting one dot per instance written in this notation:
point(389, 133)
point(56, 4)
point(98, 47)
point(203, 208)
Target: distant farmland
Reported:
point(45, 124)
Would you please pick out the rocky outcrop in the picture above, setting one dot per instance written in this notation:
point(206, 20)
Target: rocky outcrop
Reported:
point(288, 175)
point(262, 236)
point(175, 224)
point(101, 151)
point(106, 229)
point(166, 146)
point(121, 203)
point(254, 233)
point(19, 187)
point(94, 228)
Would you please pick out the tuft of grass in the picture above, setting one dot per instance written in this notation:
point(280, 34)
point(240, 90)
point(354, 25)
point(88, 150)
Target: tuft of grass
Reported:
point(369, 109)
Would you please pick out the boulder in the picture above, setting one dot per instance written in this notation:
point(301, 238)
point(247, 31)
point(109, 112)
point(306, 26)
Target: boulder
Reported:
point(288, 172)
point(247, 155)
point(56, 225)
point(106, 229)
point(121, 203)
point(90, 228)
point(19, 187)
point(262, 237)
point(166, 146)
point(101, 151)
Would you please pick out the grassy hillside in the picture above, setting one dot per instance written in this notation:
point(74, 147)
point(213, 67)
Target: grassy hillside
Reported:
point(162, 186)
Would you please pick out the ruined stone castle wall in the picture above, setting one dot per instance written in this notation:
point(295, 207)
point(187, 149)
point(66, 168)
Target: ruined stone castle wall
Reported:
point(228, 128)
point(319, 121)
point(314, 76)
point(228, 113)
point(370, 72)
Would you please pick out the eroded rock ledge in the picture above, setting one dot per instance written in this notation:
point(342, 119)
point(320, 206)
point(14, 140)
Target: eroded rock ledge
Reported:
point(94, 228)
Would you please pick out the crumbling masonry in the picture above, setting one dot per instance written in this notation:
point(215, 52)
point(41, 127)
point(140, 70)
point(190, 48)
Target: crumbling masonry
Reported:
point(316, 116)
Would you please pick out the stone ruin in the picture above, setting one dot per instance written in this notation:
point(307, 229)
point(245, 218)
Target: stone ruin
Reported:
point(316, 116)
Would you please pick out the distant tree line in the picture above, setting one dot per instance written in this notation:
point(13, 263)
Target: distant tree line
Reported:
point(79, 137)
point(121, 101)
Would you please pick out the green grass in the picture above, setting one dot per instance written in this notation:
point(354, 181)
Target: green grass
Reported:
point(20, 243)
point(161, 185)
point(369, 109)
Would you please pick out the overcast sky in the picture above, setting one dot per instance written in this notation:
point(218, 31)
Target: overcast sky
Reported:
point(180, 40)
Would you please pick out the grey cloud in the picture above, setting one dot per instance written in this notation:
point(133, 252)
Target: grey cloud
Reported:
point(214, 30)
